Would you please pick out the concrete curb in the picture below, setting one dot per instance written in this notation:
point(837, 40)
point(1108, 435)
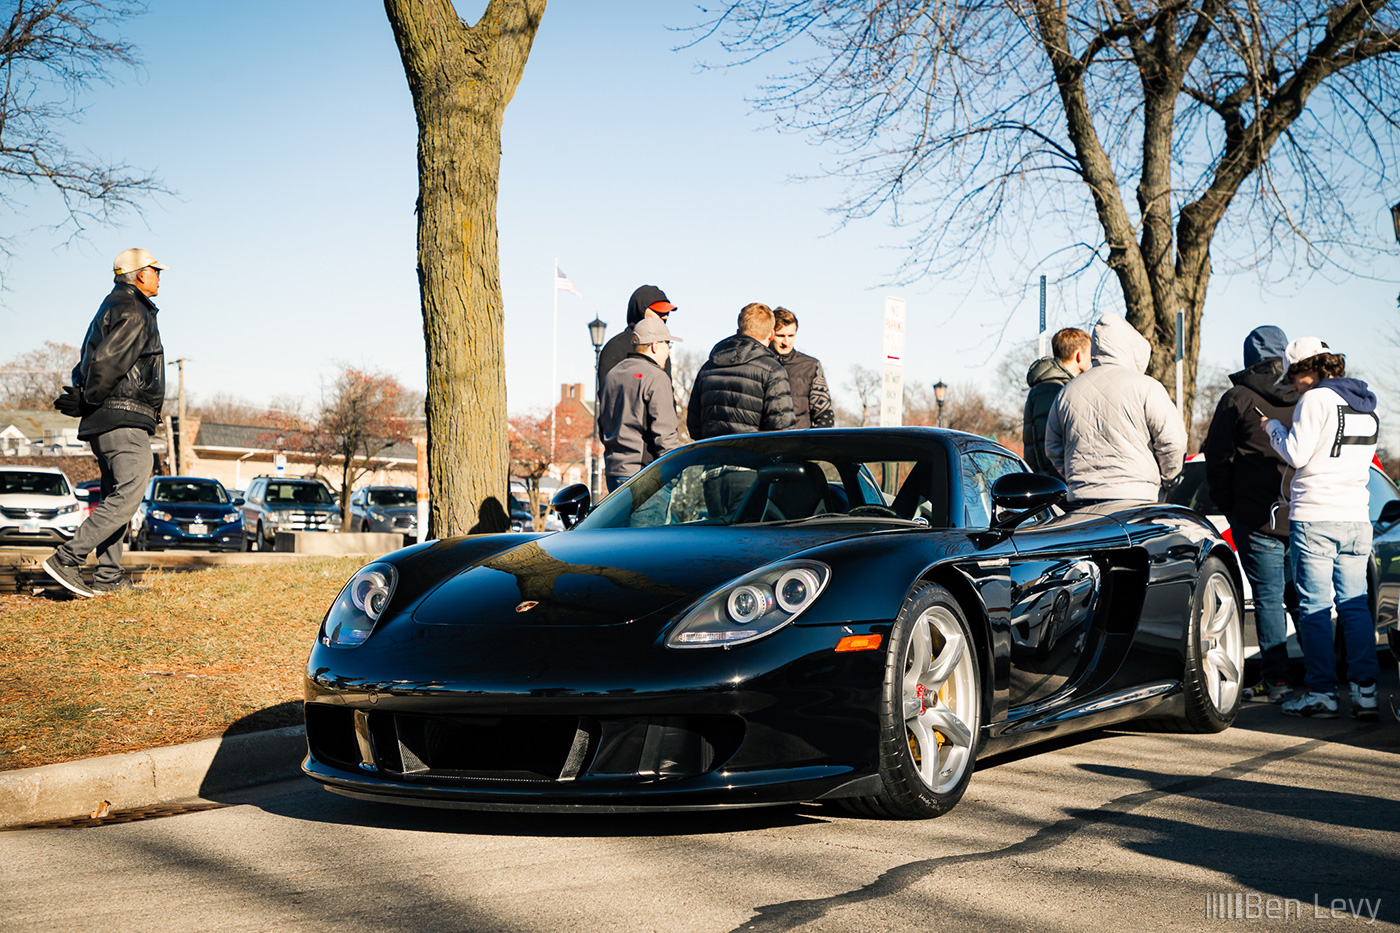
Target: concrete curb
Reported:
point(150, 778)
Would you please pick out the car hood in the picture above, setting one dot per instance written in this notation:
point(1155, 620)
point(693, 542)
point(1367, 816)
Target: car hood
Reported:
point(393, 509)
point(611, 576)
point(21, 500)
point(192, 509)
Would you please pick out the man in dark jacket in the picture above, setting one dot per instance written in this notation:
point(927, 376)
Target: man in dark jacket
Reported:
point(1246, 478)
point(811, 398)
point(647, 301)
point(1046, 377)
point(742, 387)
point(638, 401)
point(118, 389)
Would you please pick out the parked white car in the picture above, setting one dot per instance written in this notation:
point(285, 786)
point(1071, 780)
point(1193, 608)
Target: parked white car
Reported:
point(37, 506)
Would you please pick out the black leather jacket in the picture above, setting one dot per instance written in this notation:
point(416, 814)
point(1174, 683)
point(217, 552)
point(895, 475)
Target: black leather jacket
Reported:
point(122, 370)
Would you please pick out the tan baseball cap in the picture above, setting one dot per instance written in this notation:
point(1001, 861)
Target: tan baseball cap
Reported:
point(129, 260)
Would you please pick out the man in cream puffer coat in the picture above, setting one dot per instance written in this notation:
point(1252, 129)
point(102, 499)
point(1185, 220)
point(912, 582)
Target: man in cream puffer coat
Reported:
point(1113, 432)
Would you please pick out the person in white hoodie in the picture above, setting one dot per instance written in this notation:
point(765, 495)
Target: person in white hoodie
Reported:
point(1330, 446)
point(1113, 432)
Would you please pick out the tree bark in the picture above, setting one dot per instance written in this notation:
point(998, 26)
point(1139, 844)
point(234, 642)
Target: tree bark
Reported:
point(461, 78)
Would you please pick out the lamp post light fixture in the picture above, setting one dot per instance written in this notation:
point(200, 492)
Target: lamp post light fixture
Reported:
point(597, 330)
point(1395, 219)
point(940, 393)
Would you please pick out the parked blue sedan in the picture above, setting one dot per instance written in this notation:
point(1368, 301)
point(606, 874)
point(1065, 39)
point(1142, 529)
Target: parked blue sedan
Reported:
point(187, 512)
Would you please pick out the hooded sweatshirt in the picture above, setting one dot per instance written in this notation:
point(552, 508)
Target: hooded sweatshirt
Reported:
point(1331, 445)
point(1046, 377)
point(1113, 432)
point(617, 349)
point(1246, 476)
point(741, 388)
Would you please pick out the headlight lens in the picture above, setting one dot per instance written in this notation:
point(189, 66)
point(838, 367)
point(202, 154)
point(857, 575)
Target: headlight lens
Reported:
point(67, 509)
point(755, 605)
point(271, 518)
point(232, 517)
point(360, 605)
point(160, 515)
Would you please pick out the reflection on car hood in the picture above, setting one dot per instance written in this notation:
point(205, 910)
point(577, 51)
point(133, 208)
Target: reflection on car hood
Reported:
point(610, 576)
point(25, 500)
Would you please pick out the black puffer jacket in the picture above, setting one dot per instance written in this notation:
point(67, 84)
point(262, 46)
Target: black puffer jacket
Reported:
point(121, 373)
point(1245, 476)
point(742, 388)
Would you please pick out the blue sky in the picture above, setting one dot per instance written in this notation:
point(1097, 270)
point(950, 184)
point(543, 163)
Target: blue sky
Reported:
point(287, 133)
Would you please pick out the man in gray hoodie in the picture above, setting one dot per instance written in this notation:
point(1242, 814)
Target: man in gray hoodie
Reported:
point(1113, 432)
point(637, 407)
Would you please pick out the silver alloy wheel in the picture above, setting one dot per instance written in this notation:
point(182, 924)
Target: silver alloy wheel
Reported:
point(940, 699)
point(1222, 642)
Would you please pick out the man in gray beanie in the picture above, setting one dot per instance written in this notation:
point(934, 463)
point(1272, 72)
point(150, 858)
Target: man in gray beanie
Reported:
point(1247, 477)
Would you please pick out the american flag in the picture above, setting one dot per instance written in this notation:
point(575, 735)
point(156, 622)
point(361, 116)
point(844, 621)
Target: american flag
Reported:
point(563, 283)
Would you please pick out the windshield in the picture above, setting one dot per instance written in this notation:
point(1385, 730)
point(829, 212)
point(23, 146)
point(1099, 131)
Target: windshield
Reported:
point(184, 491)
point(768, 478)
point(23, 482)
point(399, 495)
point(304, 493)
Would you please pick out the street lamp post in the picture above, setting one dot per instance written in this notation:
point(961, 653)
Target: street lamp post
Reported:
point(597, 328)
point(940, 392)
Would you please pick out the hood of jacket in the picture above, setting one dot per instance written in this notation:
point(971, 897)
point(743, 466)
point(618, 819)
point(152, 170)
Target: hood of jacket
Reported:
point(1354, 392)
point(1262, 377)
point(1047, 369)
point(1117, 343)
point(1263, 343)
point(737, 350)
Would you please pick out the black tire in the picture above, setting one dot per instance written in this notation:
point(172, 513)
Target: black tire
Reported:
point(1214, 652)
point(927, 749)
point(259, 543)
point(364, 526)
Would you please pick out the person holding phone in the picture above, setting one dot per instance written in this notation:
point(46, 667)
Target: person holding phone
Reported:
point(1247, 480)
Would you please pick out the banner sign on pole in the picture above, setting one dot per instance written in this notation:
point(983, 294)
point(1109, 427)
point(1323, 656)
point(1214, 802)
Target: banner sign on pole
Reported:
point(892, 388)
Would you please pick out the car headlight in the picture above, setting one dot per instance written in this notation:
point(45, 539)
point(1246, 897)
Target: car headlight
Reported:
point(755, 605)
point(271, 518)
point(359, 606)
point(67, 509)
point(160, 515)
point(232, 517)
point(377, 516)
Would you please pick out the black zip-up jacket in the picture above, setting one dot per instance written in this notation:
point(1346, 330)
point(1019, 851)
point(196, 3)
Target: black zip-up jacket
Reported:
point(121, 373)
point(811, 397)
point(1245, 476)
point(741, 388)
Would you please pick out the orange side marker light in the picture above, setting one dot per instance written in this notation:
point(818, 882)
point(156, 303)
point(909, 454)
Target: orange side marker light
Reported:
point(858, 643)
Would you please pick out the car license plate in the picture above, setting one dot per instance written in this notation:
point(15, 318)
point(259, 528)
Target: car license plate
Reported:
point(199, 528)
point(29, 527)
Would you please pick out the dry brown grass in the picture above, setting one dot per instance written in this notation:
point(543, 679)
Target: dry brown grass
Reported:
point(196, 654)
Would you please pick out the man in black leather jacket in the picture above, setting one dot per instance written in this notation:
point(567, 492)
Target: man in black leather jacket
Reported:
point(118, 389)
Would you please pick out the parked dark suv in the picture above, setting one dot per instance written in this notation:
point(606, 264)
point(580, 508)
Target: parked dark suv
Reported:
point(386, 508)
point(277, 503)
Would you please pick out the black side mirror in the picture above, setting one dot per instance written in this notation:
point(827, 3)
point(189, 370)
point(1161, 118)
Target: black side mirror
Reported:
point(1390, 513)
point(572, 503)
point(239, 501)
point(1021, 495)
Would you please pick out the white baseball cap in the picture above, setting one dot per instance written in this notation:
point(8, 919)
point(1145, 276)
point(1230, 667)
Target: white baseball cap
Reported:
point(1300, 349)
point(129, 260)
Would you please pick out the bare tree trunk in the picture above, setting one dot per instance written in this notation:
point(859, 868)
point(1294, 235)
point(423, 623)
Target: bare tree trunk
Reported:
point(461, 79)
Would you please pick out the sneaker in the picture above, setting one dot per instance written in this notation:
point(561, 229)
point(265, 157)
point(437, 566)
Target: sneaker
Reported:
point(1266, 692)
point(120, 585)
point(71, 578)
point(1363, 702)
point(1311, 705)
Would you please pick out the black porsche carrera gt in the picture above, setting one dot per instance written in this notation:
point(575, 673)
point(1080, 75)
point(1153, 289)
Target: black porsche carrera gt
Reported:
point(844, 614)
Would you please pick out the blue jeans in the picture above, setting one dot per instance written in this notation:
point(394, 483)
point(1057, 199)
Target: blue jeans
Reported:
point(1268, 570)
point(1329, 568)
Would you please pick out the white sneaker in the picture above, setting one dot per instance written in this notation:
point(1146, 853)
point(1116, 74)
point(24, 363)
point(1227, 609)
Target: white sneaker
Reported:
point(1363, 702)
point(1311, 705)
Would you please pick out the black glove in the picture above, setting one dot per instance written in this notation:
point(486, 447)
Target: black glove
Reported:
point(70, 402)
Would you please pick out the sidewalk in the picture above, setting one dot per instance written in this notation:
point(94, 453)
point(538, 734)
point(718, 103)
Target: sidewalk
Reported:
point(153, 777)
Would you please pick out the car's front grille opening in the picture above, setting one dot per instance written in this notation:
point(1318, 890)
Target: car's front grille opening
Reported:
point(540, 749)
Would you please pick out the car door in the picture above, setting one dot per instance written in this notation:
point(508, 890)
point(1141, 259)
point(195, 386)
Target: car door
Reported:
point(1054, 624)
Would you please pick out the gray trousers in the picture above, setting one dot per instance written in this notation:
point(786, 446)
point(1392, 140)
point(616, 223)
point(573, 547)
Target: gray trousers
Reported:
point(124, 456)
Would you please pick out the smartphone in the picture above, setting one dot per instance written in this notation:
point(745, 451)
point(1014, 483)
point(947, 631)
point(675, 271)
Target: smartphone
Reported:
point(1261, 414)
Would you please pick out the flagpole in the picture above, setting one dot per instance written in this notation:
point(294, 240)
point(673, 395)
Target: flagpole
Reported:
point(554, 357)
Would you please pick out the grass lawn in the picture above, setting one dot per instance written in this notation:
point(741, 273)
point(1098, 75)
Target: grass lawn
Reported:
point(194, 655)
